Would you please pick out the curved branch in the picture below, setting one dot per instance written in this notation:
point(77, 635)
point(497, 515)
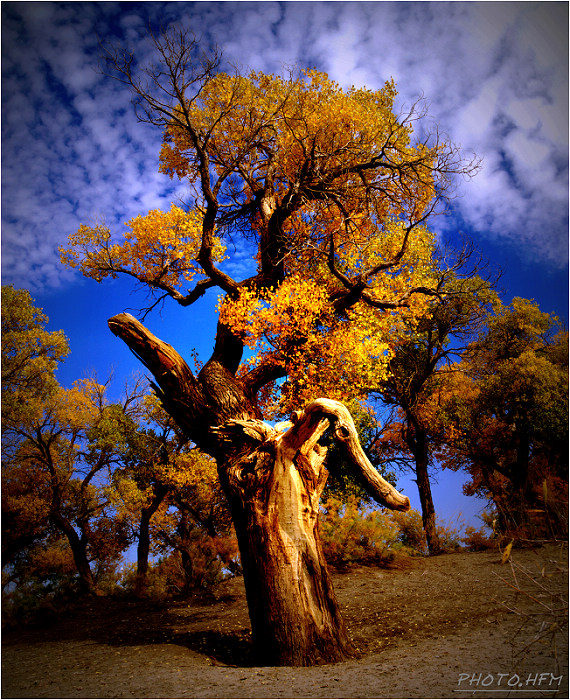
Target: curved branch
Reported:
point(265, 373)
point(228, 349)
point(307, 423)
point(156, 355)
point(195, 403)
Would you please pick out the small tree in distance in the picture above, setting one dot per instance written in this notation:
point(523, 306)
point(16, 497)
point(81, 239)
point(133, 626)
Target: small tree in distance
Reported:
point(418, 367)
point(169, 493)
point(333, 192)
point(503, 414)
point(59, 445)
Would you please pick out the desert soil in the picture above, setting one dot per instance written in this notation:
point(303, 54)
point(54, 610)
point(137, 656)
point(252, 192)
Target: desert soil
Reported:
point(454, 626)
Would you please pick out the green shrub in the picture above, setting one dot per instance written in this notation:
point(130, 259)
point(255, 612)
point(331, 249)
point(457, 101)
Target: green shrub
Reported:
point(351, 533)
point(411, 532)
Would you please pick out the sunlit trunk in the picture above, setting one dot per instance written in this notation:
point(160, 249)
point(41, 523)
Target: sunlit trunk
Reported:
point(274, 496)
point(274, 490)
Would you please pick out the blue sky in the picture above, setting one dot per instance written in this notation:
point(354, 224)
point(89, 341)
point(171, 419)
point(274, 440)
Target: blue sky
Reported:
point(495, 76)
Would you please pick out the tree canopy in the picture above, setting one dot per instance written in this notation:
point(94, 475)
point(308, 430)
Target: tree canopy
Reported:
point(419, 365)
point(30, 355)
point(328, 189)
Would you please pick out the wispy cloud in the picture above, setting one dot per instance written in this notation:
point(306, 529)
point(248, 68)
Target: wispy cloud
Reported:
point(72, 149)
point(496, 78)
point(494, 74)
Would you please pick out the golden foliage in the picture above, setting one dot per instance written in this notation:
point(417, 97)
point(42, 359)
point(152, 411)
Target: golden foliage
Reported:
point(334, 189)
point(159, 249)
point(277, 119)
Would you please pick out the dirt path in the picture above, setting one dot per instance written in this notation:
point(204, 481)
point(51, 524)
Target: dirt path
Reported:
point(449, 627)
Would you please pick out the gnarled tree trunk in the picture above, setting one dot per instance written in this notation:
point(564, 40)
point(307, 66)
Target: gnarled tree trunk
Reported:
point(274, 486)
point(273, 481)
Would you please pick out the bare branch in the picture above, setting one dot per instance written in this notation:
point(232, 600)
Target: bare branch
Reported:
point(170, 370)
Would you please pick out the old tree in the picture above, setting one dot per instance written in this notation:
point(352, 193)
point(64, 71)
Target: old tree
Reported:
point(330, 191)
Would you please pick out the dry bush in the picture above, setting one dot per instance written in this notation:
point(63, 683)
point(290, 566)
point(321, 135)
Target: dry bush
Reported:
point(353, 533)
point(413, 537)
point(205, 562)
point(411, 531)
point(479, 539)
point(543, 517)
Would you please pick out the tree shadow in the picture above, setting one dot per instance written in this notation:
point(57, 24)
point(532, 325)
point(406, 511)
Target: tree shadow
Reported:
point(129, 622)
point(230, 649)
point(225, 648)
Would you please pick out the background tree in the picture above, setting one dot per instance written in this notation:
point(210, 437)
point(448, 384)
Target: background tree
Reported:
point(63, 459)
point(30, 356)
point(505, 412)
point(58, 448)
point(197, 532)
point(144, 477)
point(331, 191)
point(77, 471)
point(169, 492)
point(421, 355)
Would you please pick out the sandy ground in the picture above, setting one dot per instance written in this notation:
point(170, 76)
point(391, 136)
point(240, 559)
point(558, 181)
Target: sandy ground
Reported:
point(454, 626)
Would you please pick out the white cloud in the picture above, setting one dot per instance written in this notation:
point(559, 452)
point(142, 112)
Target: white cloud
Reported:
point(72, 147)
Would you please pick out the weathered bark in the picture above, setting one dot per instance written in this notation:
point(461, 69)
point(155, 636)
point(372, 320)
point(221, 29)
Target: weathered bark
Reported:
point(274, 488)
point(273, 481)
point(195, 403)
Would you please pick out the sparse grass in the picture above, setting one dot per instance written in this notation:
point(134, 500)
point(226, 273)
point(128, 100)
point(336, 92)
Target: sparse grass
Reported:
point(541, 602)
